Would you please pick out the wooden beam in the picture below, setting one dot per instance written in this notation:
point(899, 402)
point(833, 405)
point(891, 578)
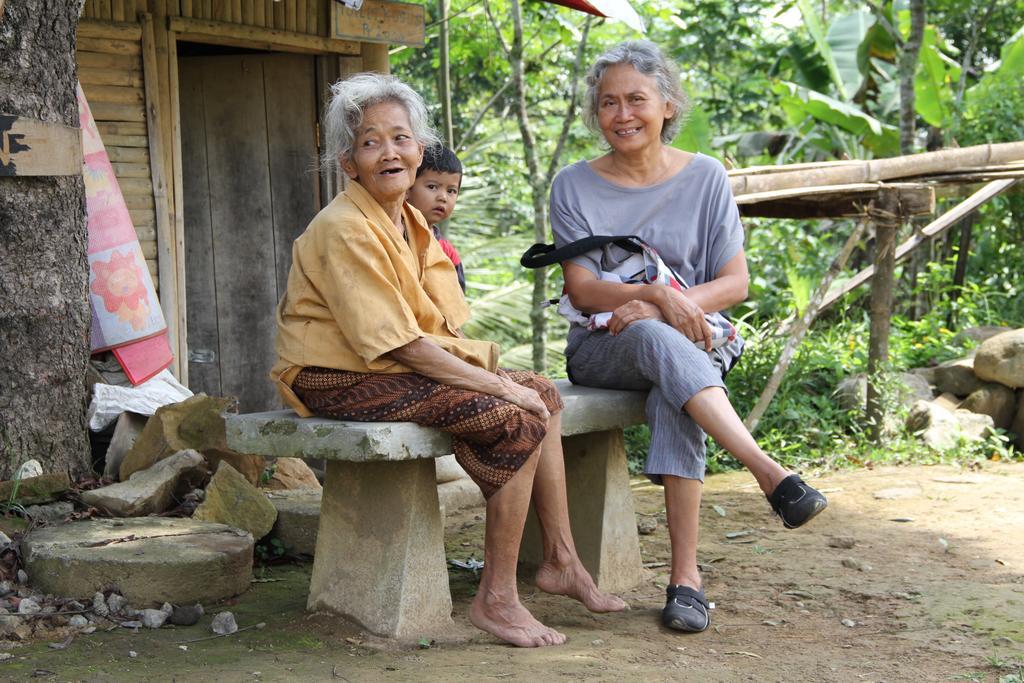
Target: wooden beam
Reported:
point(378, 21)
point(38, 148)
point(887, 217)
point(375, 58)
point(179, 212)
point(835, 201)
point(256, 37)
point(164, 228)
point(127, 30)
point(936, 227)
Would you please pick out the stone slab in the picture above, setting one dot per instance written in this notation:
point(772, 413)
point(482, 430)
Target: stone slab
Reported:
point(127, 430)
point(459, 494)
point(380, 550)
point(601, 512)
point(150, 560)
point(298, 518)
point(282, 433)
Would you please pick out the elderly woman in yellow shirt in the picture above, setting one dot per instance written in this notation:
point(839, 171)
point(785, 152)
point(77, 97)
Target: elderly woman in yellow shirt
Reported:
point(368, 329)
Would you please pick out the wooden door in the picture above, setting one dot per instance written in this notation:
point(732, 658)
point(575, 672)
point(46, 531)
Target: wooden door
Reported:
point(248, 138)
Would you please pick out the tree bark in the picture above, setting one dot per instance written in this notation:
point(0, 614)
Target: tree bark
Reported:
point(907, 70)
point(44, 310)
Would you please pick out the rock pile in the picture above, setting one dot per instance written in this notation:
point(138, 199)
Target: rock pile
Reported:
point(975, 394)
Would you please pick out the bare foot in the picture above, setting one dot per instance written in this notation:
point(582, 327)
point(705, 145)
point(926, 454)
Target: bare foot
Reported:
point(574, 581)
point(511, 622)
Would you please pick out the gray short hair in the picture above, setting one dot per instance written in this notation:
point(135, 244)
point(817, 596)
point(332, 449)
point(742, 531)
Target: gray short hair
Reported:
point(351, 97)
point(648, 59)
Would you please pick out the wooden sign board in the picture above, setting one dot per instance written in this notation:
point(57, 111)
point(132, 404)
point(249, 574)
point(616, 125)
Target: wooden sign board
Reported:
point(378, 21)
point(31, 147)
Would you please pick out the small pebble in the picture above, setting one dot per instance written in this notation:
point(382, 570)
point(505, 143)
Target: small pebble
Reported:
point(153, 618)
point(22, 576)
point(116, 602)
point(5, 540)
point(28, 606)
point(131, 624)
point(133, 654)
point(99, 605)
point(186, 615)
point(843, 542)
point(597, 642)
point(848, 622)
point(78, 621)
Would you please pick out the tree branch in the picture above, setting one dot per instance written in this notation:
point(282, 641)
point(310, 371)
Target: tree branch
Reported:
point(497, 30)
point(885, 23)
point(972, 45)
point(480, 115)
point(570, 110)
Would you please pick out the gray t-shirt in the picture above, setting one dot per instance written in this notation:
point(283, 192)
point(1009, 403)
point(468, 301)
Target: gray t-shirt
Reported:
point(691, 219)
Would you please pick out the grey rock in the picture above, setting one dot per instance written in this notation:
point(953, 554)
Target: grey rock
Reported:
point(927, 374)
point(29, 606)
point(153, 618)
point(99, 605)
point(943, 429)
point(5, 540)
point(78, 621)
point(116, 603)
point(8, 622)
point(131, 624)
point(22, 576)
point(150, 490)
point(54, 512)
point(298, 517)
point(995, 400)
point(957, 377)
point(1001, 359)
point(979, 334)
point(645, 526)
point(852, 392)
point(851, 563)
point(126, 431)
point(447, 469)
point(166, 608)
point(1017, 426)
point(224, 623)
point(6, 587)
point(74, 605)
point(186, 615)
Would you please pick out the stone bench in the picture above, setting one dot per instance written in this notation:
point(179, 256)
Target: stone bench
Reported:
point(380, 556)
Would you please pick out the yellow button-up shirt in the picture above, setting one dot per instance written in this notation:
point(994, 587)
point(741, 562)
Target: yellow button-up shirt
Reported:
point(356, 290)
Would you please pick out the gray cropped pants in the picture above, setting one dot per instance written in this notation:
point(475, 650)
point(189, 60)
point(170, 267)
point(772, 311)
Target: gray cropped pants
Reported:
point(652, 356)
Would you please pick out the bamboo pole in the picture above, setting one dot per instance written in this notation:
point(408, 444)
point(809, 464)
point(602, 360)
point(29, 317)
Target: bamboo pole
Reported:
point(936, 227)
point(874, 170)
point(796, 332)
point(444, 75)
point(887, 217)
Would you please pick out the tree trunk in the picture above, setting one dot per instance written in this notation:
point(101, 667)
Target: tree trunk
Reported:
point(907, 71)
point(44, 310)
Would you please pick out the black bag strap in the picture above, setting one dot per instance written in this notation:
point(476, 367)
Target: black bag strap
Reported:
point(540, 255)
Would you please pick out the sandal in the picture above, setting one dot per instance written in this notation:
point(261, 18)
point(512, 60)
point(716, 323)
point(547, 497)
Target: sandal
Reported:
point(795, 502)
point(686, 609)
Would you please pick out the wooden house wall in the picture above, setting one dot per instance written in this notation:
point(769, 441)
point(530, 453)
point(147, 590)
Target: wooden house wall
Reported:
point(110, 71)
point(299, 16)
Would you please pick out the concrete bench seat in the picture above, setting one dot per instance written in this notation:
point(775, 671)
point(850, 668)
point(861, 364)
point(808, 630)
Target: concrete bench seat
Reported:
point(380, 549)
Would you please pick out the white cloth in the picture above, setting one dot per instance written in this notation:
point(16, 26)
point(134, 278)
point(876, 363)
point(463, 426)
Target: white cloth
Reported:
point(109, 401)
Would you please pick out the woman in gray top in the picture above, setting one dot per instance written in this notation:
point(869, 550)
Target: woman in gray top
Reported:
point(658, 338)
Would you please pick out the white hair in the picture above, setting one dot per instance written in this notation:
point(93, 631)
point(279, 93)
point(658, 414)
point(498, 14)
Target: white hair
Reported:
point(648, 59)
point(351, 97)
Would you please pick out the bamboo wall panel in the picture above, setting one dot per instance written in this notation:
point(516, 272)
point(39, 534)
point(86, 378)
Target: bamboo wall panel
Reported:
point(110, 70)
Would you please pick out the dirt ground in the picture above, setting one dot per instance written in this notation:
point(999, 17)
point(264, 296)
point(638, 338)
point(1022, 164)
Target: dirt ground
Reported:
point(932, 589)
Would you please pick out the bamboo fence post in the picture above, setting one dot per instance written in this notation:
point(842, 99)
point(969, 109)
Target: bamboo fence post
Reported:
point(886, 215)
point(796, 332)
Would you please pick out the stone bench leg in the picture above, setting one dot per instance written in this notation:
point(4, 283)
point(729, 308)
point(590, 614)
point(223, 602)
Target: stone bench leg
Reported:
point(600, 511)
point(380, 549)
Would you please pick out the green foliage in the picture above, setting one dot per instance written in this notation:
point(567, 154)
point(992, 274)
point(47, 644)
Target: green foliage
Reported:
point(269, 551)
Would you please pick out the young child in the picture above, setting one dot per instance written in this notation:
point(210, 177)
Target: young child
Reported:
point(438, 180)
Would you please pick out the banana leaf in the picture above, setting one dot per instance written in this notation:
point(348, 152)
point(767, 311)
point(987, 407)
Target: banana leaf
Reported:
point(799, 103)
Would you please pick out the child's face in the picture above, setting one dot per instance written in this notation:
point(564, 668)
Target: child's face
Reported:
point(434, 194)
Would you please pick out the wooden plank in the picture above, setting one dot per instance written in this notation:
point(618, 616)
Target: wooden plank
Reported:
point(186, 8)
point(259, 13)
point(835, 201)
point(136, 186)
point(120, 128)
point(99, 60)
point(248, 12)
point(178, 213)
point(312, 16)
point(269, 8)
point(131, 10)
point(236, 11)
point(109, 111)
point(375, 57)
point(289, 84)
point(29, 147)
point(139, 201)
point(124, 30)
point(152, 269)
point(146, 232)
point(221, 10)
point(207, 10)
point(115, 94)
point(130, 78)
point(131, 170)
point(117, 10)
point(133, 155)
point(222, 33)
point(103, 9)
point(110, 46)
point(378, 21)
point(125, 141)
point(290, 10)
point(148, 248)
point(143, 217)
point(933, 229)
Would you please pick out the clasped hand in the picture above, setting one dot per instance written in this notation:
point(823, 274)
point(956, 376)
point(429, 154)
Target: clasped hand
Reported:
point(524, 397)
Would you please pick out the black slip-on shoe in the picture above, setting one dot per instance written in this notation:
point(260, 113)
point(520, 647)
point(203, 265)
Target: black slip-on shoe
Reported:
point(795, 502)
point(686, 609)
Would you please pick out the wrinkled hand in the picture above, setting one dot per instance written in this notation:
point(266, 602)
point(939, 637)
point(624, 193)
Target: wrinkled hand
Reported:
point(686, 316)
point(524, 397)
point(626, 314)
